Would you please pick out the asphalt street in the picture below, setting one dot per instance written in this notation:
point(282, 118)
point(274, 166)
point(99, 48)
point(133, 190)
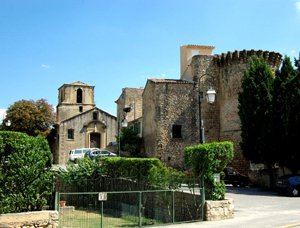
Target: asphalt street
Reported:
point(255, 208)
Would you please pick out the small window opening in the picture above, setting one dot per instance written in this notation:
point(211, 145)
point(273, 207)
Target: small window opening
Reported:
point(176, 131)
point(79, 95)
point(95, 115)
point(70, 133)
point(80, 108)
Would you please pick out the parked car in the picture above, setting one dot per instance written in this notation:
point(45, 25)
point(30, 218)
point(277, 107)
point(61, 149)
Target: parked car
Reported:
point(235, 178)
point(288, 185)
point(76, 154)
point(99, 153)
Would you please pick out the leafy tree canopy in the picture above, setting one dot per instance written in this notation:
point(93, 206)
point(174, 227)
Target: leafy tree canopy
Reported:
point(31, 117)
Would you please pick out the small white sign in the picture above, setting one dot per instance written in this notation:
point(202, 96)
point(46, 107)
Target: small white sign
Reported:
point(217, 177)
point(102, 196)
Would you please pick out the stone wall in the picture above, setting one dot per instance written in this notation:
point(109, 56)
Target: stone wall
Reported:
point(167, 103)
point(84, 125)
point(130, 97)
point(45, 219)
point(225, 72)
point(219, 210)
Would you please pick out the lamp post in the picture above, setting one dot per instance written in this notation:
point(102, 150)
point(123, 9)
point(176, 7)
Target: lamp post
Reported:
point(210, 96)
point(124, 123)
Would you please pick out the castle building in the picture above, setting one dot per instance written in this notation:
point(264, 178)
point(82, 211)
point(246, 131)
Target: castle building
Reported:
point(173, 109)
point(80, 124)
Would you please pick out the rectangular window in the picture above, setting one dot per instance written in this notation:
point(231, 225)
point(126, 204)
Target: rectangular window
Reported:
point(176, 131)
point(95, 115)
point(70, 133)
point(137, 127)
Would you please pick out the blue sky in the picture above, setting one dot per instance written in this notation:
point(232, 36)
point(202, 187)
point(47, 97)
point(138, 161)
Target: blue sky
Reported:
point(114, 44)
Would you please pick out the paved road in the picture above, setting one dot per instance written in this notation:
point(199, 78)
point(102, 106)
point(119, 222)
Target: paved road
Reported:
point(255, 208)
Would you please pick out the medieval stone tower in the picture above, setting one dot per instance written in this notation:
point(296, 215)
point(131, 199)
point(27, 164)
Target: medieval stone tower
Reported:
point(175, 111)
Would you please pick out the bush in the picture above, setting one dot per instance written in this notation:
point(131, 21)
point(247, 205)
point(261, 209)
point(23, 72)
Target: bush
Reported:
point(25, 176)
point(208, 159)
point(150, 171)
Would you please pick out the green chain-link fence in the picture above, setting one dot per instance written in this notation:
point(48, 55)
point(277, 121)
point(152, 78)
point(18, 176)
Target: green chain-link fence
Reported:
point(128, 208)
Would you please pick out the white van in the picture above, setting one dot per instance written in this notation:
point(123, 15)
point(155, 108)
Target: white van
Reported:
point(78, 153)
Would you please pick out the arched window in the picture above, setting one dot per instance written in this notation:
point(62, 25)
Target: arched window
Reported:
point(79, 95)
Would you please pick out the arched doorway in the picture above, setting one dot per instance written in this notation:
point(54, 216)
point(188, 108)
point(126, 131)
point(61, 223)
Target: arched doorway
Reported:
point(95, 140)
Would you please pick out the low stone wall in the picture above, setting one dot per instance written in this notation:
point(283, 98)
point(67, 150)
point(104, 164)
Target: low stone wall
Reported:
point(219, 210)
point(45, 219)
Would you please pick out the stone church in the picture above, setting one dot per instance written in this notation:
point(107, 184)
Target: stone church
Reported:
point(80, 124)
point(175, 110)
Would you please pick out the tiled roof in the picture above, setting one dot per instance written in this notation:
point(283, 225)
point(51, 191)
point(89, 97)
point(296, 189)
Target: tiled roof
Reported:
point(170, 81)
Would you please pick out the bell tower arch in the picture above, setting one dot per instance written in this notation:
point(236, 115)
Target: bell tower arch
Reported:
point(73, 99)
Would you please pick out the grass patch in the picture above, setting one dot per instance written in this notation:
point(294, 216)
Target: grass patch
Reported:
point(88, 218)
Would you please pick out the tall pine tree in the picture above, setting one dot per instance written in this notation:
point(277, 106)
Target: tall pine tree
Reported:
point(291, 155)
point(255, 109)
point(279, 111)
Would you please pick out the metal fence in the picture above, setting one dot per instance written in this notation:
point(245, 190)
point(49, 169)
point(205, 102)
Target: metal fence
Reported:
point(128, 208)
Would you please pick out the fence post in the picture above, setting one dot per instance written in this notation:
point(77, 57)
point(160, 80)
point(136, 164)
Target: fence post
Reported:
point(140, 209)
point(56, 201)
point(101, 214)
point(173, 205)
point(202, 198)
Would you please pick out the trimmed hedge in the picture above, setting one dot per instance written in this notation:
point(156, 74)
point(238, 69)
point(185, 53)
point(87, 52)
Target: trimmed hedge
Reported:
point(25, 176)
point(149, 171)
point(208, 159)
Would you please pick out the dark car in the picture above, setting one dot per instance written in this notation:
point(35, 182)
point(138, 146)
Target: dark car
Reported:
point(235, 178)
point(288, 185)
point(99, 153)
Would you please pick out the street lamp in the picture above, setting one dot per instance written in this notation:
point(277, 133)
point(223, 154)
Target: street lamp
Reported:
point(210, 97)
point(124, 123)
point(8, 123)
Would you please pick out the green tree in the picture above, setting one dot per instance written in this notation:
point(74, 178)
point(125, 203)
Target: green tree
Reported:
point(31, 117)
point(291, 155)
point(255, 110)
point(130, 141)
point(280, 112)
point(208, 159)
point(25, 177)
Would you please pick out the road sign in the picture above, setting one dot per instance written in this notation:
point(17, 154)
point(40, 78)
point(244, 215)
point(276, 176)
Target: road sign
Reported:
point(102, 196)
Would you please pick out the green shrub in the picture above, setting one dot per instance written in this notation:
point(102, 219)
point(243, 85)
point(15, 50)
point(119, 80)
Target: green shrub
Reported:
point(208, 159)
point(146, 170)
point(25, 176)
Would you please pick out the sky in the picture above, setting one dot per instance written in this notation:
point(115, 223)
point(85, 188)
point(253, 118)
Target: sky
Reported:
point(113, 44)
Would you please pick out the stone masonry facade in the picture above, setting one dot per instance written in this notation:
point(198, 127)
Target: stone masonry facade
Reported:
point(169, 103)
point(225, 72)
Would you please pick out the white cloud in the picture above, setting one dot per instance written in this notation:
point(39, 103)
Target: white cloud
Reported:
point(297, 4)
point(45, 66)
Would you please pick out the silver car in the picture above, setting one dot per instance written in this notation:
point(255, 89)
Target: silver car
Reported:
point(99, 153)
